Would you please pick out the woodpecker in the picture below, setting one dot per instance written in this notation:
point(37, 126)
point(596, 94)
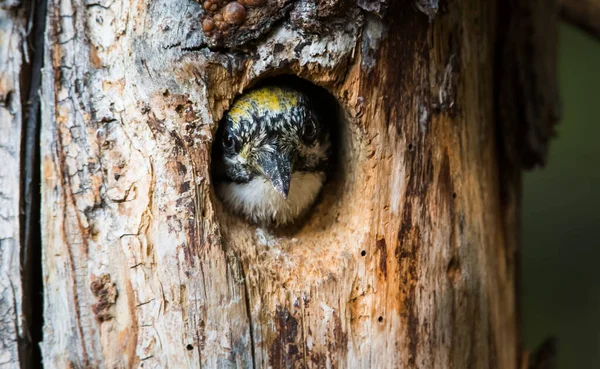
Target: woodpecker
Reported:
point(271, 156)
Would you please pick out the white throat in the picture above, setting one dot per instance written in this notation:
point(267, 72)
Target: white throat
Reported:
point(261, 203)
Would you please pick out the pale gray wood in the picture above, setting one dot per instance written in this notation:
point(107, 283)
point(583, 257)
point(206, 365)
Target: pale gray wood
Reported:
point(12, 58)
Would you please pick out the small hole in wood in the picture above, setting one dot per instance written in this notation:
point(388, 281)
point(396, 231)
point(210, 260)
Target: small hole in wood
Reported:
point(454, 271)
point(189, 347)
point(363, 253)
point(454, 195)
point(380, 319)
point(410, 147)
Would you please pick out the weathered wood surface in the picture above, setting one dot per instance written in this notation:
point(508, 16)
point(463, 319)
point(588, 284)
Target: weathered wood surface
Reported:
point(12, 59)
point(408, 260)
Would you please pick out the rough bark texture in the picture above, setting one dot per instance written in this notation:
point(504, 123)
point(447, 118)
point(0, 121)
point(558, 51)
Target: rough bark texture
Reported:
point(407, 261)
point(12, 36)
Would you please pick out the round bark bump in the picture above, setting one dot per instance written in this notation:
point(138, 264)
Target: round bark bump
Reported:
point(234, 13)
point(208, 25)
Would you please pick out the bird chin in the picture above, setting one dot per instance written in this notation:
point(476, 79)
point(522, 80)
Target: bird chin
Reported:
point(260, 203)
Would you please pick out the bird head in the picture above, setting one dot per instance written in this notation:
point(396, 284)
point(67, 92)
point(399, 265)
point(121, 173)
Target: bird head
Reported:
point(271, 132)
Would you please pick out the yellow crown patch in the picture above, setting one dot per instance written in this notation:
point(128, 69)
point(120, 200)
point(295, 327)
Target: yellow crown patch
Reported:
point(263, 100)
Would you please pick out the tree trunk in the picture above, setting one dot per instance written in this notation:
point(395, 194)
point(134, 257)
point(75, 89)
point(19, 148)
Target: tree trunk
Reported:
point(12, 33)
point(409, 258)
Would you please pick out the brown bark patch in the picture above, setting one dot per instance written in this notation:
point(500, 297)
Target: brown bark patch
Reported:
point(106, 294)
point(283, 352)
point(382, 248)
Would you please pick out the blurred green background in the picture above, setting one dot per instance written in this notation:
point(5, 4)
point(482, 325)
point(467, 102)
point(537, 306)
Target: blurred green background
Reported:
point(561, 217)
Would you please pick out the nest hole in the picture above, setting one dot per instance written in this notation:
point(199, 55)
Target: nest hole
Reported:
point(327, 234)
point(331, 114)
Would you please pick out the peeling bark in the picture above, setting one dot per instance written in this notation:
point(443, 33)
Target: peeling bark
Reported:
point(408, 260)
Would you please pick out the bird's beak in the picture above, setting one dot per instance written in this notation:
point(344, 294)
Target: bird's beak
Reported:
point(277, 167)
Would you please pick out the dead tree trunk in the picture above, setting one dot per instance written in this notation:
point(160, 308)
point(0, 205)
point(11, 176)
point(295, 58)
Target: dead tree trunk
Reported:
point(12, 36)
point(409, 258)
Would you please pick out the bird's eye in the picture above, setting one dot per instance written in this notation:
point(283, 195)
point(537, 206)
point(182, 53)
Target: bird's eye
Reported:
point(309, 132)
point(230, 143)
